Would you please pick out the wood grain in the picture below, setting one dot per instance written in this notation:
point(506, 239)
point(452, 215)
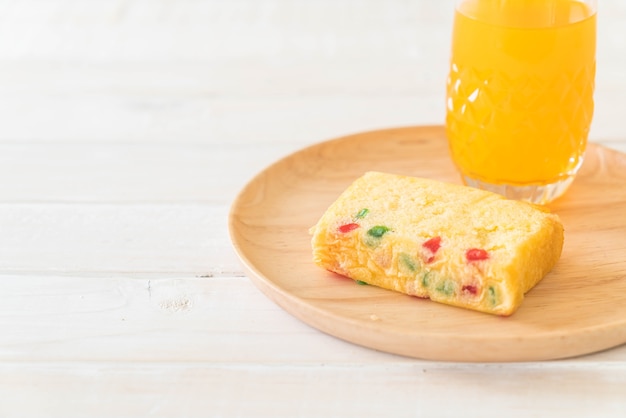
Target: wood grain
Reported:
point(228, 390)
point(578, 308)
point(116, 238)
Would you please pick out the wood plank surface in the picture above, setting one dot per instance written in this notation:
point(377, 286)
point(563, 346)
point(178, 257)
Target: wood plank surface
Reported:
point(127, 129)
point(217, 390)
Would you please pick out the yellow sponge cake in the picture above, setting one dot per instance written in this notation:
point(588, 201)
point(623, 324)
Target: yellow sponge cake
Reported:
point(453, 244)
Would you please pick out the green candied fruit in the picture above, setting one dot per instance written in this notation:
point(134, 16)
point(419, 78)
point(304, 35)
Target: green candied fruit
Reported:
point(361, 282)
point(426, 279)
point(408, 262)
point(362, 213)
point(374, 234)
point(446, 287)
point(492, 295)
point(378, 231)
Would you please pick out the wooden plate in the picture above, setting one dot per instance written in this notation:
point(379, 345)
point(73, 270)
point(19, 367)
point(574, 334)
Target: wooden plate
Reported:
point(579, 308)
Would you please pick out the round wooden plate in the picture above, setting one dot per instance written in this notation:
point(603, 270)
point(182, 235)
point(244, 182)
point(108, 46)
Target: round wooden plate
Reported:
point(579, 308)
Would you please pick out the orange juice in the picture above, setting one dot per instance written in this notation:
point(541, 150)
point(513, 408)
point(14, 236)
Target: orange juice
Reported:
point(520, 89)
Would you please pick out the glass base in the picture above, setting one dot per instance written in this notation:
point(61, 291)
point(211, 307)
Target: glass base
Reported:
point(538, 194)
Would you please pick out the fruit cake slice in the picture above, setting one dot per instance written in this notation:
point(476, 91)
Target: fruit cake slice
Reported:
point(453, 244)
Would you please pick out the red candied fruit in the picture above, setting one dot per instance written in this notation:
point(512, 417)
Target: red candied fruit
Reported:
point(433, 244)
point(476, 254)
point(344, 229)
point(470, 289)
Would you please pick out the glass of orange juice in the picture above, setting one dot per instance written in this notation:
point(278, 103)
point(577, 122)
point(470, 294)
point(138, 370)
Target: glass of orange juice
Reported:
point(520, 94)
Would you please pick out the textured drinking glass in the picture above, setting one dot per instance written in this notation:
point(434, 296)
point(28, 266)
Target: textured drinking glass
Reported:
point(520, 94)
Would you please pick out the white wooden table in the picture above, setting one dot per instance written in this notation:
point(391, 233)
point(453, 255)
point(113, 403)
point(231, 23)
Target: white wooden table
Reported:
point(127, 127)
